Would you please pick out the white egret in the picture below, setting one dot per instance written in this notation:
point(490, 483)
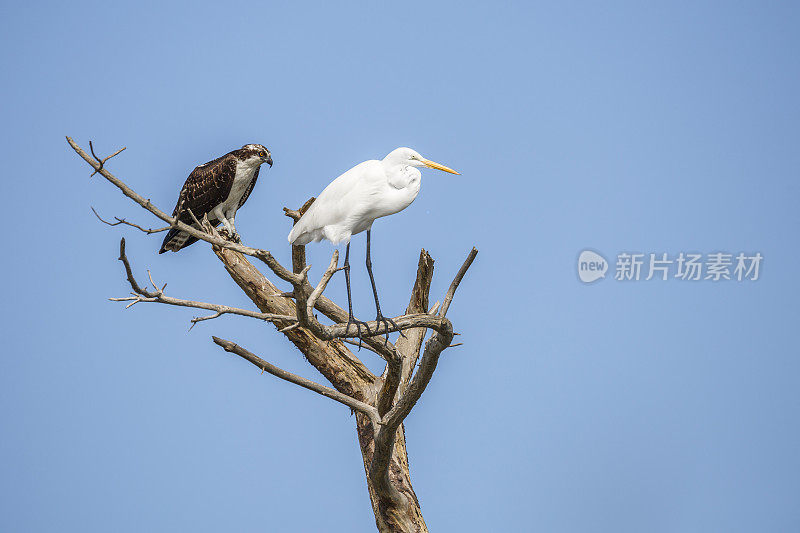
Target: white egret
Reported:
point(352, 202)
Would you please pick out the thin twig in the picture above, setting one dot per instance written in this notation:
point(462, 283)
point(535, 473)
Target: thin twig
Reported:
point(290, 327)
point(457, 280)
point(297, 214)
point(197, 319)
point(123, 221)
point(323, 282)
point(194, 218)
point(102, 162)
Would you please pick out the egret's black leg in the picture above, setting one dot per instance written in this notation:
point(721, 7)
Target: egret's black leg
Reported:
point(380, 318)
point(350, 318)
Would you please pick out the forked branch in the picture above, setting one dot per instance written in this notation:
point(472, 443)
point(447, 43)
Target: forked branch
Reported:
point(307, 298)
point(119, 221)
point(102, 162)
point(142, 294)
point(385, 436)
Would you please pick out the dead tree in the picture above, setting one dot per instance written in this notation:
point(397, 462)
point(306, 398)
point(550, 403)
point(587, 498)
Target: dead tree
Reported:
point(380, 403)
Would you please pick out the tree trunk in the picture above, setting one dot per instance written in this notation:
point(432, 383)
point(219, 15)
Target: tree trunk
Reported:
point(392, 516)
point(348, 375)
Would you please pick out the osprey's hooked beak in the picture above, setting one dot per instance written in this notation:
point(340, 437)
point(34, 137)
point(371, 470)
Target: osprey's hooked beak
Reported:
point(268, 160)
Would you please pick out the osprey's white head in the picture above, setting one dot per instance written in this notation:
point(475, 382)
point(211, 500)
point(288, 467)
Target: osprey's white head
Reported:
point(258, 153)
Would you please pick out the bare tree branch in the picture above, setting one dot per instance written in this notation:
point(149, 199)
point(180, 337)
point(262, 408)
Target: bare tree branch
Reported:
point(457, 280)
point(123, 221)
point(157, 295)
point(290, 327)
point(418, 303)
point(296, 215)
point(403, 322)
point(323, 282)
point(102, 162)
point(352, 403)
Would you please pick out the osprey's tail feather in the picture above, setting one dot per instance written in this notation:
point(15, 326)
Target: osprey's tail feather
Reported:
point(176, 240)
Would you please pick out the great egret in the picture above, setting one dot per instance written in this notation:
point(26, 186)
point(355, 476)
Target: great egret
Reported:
point(352, 202)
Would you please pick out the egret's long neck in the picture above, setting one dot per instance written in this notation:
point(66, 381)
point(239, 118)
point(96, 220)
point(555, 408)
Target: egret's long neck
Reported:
point(401, 175)
point(391, 165)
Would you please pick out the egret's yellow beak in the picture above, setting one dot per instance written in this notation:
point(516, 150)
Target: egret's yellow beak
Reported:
point(437, 166)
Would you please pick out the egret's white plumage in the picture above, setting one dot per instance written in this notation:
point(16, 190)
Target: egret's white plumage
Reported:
point(352, 202)
point(369, 190)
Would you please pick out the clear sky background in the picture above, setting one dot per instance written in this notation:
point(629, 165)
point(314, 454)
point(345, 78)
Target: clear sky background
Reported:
point(612, 407)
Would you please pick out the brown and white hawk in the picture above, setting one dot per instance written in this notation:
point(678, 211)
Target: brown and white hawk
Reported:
point(217, 189)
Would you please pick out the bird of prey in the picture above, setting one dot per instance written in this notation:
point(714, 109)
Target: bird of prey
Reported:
point(217, 189)
point(352, 202)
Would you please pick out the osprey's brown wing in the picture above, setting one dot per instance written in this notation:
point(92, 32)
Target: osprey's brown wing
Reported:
point(206, 187)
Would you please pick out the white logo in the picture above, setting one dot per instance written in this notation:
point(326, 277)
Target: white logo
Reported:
point(591, 266)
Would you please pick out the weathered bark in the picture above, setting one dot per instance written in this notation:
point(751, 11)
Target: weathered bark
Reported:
point(391, 515)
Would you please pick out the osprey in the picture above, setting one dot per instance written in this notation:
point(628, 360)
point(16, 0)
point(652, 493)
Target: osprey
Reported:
point(217, 189)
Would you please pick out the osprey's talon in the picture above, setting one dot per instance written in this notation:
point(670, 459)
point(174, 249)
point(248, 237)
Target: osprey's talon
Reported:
point(232, 236)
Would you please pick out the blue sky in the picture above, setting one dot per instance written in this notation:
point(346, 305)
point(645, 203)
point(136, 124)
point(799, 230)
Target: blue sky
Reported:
point(639, 406)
